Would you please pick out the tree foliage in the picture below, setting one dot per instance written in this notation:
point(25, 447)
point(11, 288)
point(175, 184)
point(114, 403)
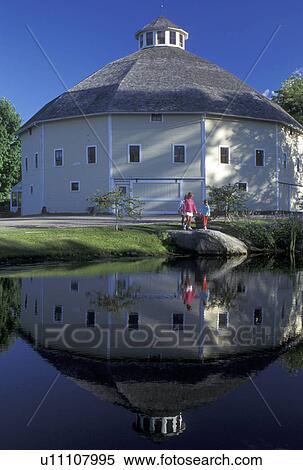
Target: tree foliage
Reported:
point(228, 200)
point(290, 96)
point(9, 309)
point(10, 150)
point(122, 204)
point(119, 301)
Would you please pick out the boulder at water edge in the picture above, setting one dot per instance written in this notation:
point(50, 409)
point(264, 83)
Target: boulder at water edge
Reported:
point(207, 242)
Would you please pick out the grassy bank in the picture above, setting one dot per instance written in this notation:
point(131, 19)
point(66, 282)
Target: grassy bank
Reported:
point(26, 246)
point(80, 244)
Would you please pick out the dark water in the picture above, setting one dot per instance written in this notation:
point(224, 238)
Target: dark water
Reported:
point(151, 354)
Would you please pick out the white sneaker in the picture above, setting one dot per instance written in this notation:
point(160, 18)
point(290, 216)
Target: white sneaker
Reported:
point(184, 227)
point(189, 228)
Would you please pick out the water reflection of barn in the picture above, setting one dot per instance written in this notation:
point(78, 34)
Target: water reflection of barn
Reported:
point(261, 308)
point(160, 384)
point(158, 393)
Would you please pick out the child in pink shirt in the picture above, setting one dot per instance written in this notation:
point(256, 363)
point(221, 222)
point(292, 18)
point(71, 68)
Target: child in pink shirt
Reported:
point(189, 209)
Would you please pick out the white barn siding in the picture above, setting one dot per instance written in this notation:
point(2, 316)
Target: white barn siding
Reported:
point(243, 137)
point(53, 191)
point(73, 135)
point(291, 145)
point(157, 140)
point(30, 145)
point(157, 180)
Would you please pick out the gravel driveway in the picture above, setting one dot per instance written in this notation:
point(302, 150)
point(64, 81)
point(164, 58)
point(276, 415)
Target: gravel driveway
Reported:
point(78, 221)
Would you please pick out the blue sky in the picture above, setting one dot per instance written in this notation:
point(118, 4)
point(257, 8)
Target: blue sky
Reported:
point(82, 37)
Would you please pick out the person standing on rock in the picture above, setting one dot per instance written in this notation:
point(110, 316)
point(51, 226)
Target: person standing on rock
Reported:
point(189, 209)
point(205, 213)
point(181, 211)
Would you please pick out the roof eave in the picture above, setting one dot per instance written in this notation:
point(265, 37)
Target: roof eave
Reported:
point(205, 113)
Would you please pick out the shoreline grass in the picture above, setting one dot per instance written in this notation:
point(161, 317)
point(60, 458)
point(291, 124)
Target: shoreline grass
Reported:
point(19, 246)
point(84, 244)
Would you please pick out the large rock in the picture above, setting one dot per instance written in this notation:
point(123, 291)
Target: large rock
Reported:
point(207, 242)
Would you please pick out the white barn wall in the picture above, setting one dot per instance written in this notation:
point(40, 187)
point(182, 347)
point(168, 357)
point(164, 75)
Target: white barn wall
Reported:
point(243, 137)
point(73, 135)
point(31, 144)
point(156, 139)
point(291, 143)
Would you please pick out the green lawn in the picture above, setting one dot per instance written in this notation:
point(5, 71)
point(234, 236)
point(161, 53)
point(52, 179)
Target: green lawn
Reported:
point(81, 244)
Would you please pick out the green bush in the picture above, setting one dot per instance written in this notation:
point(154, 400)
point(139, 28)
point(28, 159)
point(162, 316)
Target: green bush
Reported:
point(256, 234)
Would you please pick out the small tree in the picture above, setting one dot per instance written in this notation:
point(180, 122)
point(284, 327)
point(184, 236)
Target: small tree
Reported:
point(228, 199)
point(122, 204)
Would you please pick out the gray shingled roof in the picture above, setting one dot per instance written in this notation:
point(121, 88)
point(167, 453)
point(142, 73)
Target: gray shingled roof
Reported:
point(162, 80)
point(160, 23)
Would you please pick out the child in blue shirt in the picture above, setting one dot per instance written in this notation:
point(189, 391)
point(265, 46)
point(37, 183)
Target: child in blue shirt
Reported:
point(205, 213)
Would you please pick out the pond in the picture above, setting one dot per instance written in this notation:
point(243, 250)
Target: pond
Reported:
point(190, 354)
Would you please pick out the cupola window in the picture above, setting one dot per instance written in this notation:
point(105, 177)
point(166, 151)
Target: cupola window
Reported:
point(161, 32)
point(161, 37)
point(172, 37)
point(149, 38)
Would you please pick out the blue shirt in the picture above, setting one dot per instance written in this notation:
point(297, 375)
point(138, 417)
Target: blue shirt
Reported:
point(205, 209)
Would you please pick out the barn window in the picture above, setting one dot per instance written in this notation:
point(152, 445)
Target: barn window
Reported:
point(58, 156)
point(90, 318)
point(161, 37)
point(58, 313)
point(149, 38)
point(74, 286)
point(224, 155)
point(181, 40)
point(242, 187)
point(14, 200)
point(134, 153)
point(258, 316)
point(141, 40)
point(222, 320)
point(178, 321)
point(179, 153)
point(133, 321)
point(75, 186)
point(172, 37)
point(259, 157)
point(241, 288)
point(156, 117)
point(91, 154)
point(298, 165)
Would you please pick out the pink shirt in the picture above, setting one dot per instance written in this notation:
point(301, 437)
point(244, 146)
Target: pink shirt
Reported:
point(189, 205)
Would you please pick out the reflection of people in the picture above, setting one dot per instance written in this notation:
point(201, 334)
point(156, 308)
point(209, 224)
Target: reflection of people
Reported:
point(188, 293)
point(205, 213)
point(204, 291)
point(189, 209)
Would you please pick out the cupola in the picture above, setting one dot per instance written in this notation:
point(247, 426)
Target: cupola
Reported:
point(161, 32)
